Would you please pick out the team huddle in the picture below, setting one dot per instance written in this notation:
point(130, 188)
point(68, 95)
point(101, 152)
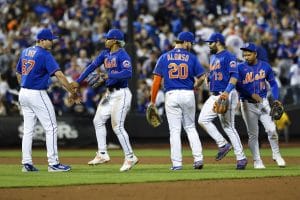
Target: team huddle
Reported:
point(229, 83)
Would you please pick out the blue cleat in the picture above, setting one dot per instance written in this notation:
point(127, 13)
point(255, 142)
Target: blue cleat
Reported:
point(198, 164)
point(241, 164)
point(58, 168)
point(175, 168)
point(29, 168)
point(223, 151)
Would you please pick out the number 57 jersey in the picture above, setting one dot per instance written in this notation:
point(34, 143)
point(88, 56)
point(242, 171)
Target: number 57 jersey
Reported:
point(36, 65)
point(178, 67)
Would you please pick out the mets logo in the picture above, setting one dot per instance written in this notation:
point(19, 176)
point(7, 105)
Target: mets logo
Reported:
point(126, 63)
point(232, 64)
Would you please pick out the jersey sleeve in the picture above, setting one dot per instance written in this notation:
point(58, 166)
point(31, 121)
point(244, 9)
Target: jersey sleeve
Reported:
point(91, 67)
point(51, 65)
point(269, 72)
point(158, 67)
point(232, 64)
point(199, 70)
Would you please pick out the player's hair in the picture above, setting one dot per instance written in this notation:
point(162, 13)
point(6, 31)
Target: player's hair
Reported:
point(121, 43)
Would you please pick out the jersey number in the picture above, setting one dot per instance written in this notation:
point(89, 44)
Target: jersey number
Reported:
point(178, 71)
point(218, 76)
point(27, 66)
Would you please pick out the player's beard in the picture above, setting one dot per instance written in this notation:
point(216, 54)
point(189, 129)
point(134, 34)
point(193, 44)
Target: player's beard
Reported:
point(213, 50)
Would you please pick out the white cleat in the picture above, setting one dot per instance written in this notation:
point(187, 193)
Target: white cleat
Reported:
point(280, 162)
point(258, 164)
point(99, 159)
point(129, 163)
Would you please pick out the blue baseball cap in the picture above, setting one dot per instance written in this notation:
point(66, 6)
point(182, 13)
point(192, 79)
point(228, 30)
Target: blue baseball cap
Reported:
point(115, 34)
point(45, 34)
point(186, 36)
point(249, 47)
point(216, 37)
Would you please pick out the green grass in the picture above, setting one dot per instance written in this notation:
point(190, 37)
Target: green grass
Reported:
point(11, 175)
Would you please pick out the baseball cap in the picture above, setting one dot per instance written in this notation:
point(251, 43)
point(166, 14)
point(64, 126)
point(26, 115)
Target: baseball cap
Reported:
point(45, 34)
point(186, 36)
point(215, 37)
point(115, 34)
point(249, 47)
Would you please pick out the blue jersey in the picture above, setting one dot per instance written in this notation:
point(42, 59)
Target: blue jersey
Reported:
point(252, 79)
point(221, 65)
point(36, 65)
point(178, 67)
point(117, 65)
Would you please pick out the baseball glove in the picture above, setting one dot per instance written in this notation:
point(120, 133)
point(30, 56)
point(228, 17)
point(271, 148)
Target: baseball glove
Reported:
point(95, 80)
point(152, 116)
point(221, 106)
point(276, 110)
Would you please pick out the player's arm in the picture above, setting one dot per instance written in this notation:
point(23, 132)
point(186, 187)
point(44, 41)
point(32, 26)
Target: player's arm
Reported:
point(231, 85)
point(199, 80)
point(273, 84)
point(155, 87)
point(63, 80)
point(18, 77)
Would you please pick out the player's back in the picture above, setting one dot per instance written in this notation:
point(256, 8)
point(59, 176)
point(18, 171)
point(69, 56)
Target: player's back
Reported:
point(178, 67)
point(36, 66)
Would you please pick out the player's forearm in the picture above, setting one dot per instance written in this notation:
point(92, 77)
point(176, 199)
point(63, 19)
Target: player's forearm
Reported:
point(63, 80)
point(155, 88)
point(120, 75)
point(89, 69)
point(18, 77)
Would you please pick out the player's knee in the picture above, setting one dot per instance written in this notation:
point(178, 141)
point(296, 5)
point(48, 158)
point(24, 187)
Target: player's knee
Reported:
point(118, 128)
point(98, 121)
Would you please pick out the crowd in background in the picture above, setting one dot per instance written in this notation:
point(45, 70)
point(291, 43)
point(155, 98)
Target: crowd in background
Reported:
point(81, 25)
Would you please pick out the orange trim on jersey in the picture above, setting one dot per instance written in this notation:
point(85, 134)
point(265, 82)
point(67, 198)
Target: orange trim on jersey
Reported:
point(155, 87)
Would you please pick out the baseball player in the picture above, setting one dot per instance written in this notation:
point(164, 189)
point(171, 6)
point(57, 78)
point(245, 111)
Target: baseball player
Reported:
point(179, 68)
point(222, 79)
point(116, 102)
point(34, 68)
point(253, 75)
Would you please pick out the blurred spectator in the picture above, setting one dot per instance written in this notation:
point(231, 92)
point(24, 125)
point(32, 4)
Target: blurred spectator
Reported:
point(295, 81)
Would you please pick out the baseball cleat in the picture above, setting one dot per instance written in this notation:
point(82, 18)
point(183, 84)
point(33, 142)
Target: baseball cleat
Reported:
point(258, 164)
point(198, 164)
point(29, 168)
point(99, 159)
point(223, 151)
point(129, 163)
point(241, 164)
point(59, 168)
point(280, 162)
point(175, 168)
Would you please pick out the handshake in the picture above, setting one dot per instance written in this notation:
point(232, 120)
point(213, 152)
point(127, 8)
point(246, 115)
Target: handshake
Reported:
point(75, 96)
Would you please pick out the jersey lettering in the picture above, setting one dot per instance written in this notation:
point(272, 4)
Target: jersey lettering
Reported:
point(178, 71)
point(110, 63)
point(27, 66)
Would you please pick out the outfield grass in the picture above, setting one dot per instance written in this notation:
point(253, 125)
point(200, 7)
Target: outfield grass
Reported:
point(11, 175)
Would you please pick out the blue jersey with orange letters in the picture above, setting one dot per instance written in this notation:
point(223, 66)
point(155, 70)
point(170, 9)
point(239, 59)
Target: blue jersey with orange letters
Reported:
point(117, 65)
point(36, 65)
point(252, 80)
point(178, 67)
point(221, 65)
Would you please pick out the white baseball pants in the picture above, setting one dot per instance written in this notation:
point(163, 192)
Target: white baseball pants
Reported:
point(252, 112)
point(116, 105)
point(207, 115)
point(180, 110)
point(36, 104)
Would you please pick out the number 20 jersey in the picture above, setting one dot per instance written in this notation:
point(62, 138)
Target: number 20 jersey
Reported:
point(36, 65)
point(178, 67)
